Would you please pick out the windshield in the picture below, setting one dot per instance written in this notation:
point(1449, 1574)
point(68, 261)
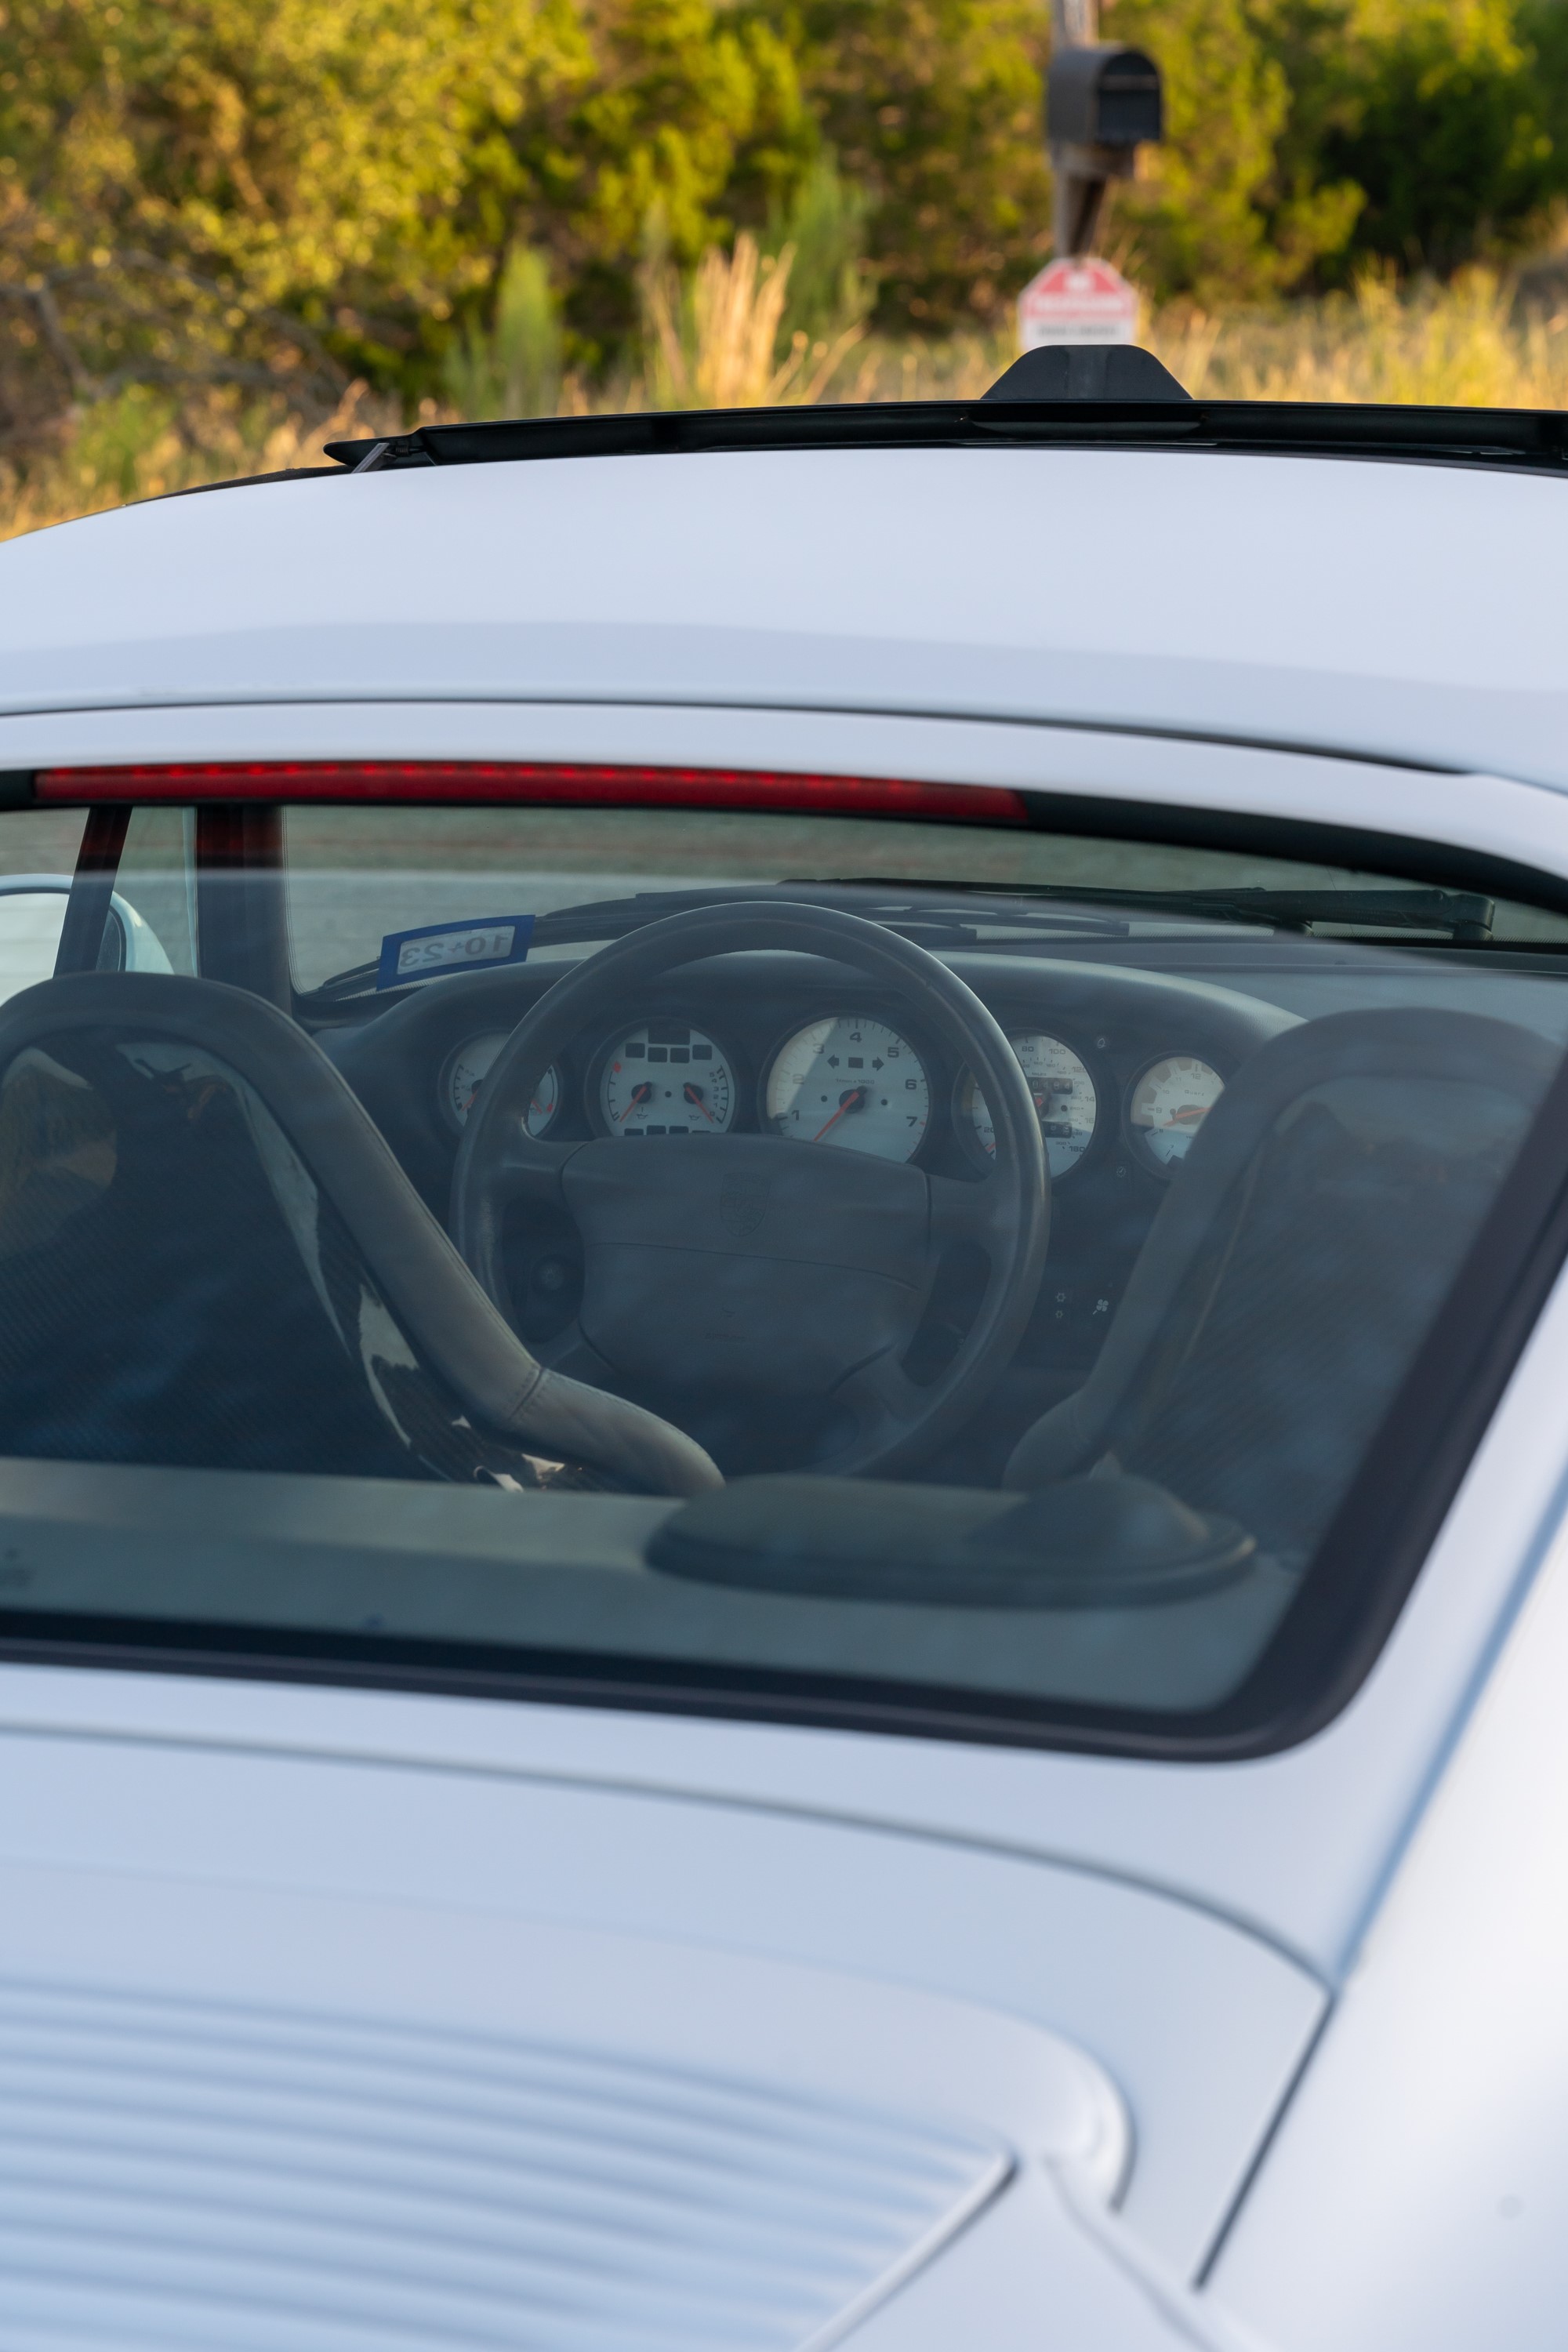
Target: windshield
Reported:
point(621, 1231)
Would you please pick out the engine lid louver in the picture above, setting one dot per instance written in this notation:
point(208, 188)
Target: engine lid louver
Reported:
point(178, 2174)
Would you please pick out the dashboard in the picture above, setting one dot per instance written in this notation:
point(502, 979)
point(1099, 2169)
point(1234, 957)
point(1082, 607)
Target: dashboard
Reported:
point(1123, 1065)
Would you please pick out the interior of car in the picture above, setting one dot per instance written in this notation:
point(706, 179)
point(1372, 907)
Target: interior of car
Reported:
point(913, 1240)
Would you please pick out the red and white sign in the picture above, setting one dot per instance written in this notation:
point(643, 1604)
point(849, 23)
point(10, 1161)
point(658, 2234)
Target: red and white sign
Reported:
point(1077, 301)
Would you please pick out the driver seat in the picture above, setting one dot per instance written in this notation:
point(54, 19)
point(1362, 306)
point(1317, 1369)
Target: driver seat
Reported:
point(210, 1258)
point(1296, 1266)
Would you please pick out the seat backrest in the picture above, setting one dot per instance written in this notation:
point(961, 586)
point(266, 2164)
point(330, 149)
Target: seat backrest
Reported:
point(1288, 1285)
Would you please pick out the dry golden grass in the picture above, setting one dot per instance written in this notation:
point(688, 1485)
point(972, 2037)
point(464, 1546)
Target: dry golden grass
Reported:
point(1466, 345)
point(716, 344)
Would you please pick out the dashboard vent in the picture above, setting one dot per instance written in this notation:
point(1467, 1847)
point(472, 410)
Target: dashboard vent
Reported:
point(177, 2174)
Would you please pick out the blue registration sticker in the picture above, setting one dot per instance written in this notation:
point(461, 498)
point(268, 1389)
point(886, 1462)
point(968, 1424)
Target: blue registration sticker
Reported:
point(438, 947)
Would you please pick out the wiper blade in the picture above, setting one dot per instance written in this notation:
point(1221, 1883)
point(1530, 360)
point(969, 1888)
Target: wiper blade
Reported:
point(1461, 914)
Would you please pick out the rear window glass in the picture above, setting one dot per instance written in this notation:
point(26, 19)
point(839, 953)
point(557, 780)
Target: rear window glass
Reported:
point(977, 1276)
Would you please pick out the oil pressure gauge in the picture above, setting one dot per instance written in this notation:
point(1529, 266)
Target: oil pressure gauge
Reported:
point(1168, 1106)
point(471, 1064)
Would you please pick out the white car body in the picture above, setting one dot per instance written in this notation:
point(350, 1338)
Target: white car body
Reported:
point(1269, 2052)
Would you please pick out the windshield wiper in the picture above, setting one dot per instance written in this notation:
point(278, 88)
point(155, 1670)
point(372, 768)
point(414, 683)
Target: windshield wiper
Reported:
point(1463, 915)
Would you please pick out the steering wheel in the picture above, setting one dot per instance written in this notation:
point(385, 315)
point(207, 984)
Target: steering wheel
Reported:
point(789, 1270)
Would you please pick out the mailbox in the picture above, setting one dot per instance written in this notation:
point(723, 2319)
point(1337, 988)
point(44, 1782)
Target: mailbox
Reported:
point(1101, 95)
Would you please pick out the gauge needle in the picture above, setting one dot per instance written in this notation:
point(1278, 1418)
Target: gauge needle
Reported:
point(852, 1101)
point(1188, 1110)
point(639, 1095)
point(694, 1096)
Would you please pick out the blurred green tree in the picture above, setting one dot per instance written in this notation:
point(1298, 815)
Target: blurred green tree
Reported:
point(1433, 107)
point(933, 109)
point(270, 196)
point(251, 191)
point(1306, 136)
point(688, 113)
point(1196, 219)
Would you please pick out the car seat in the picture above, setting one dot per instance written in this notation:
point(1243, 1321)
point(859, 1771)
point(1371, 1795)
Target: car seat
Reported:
point(1296, 1265)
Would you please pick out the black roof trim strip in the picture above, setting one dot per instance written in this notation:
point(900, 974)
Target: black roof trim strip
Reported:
point(1524, 439)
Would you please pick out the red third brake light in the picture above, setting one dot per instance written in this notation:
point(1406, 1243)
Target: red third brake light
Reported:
point(524, 782)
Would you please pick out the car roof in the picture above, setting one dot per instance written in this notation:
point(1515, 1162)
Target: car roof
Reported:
point(1398, 611)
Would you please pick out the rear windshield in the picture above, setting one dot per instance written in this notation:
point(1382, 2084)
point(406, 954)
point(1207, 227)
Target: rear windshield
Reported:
point(936, 1264)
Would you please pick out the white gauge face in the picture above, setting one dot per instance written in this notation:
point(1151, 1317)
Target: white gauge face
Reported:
point(1064, 1096)
point(665, 1078)
point(471, 1064)
point(1170, 1103)
point(853, 1082)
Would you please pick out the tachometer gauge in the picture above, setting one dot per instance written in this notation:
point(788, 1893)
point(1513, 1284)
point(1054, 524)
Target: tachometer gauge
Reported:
point(665, 1078)
point(850, 1081)
point(1064, 1096)
point(471, 1064)
point(1170, 1103)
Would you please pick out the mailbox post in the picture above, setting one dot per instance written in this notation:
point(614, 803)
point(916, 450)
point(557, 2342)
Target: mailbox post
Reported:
point(1102, 104)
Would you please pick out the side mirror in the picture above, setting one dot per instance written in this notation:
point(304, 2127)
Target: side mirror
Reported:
point(32, 910)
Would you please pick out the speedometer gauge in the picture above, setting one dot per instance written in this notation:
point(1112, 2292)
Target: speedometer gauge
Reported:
point(853, 1082)
point(1064, 1098)
point(664, 1078)
point(471, 1064)
point(1169, 1103)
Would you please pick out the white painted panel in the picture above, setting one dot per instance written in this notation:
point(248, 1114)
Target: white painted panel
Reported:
point(1414, 2199)
point(311, 2120)
point(1199, 2025)
point(1400, 610)
point(265, 2119)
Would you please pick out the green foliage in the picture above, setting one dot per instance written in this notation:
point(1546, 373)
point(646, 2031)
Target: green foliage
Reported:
point(264, 199)
point(830, 288)
point(250, 189)
point(1196, 218)
point(512, 368)
point(1439, 121)
point(683, 110)
point(933, 109)
point(1306, 136)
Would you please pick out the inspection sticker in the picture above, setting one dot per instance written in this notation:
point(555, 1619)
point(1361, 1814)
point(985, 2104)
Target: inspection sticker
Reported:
point(453, 946)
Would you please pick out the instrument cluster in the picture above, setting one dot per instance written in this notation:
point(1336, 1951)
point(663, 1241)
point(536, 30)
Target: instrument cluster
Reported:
point(849, 1080)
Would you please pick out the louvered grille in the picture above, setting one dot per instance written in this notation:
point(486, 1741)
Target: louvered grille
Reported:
point(175, 2173)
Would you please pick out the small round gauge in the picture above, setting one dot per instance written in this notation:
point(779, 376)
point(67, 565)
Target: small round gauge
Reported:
point(665, 1078)
point(471, 1064)
point(850, 1081)
point(1169, 1103)
point(1064, 1096)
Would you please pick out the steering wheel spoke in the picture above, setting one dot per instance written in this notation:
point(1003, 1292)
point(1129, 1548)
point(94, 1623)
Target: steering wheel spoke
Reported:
point(526, 1169)
point(963, 1209)
point(885, 1402)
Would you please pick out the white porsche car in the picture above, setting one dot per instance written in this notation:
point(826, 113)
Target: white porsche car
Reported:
point(782, 1385)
